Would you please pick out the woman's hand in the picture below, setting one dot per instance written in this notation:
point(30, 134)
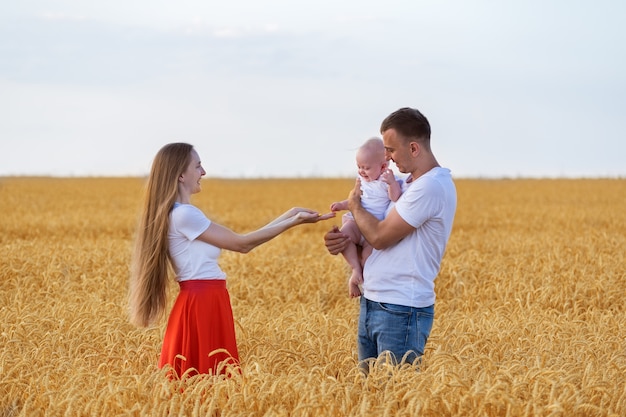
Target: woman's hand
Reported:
point(304, 215)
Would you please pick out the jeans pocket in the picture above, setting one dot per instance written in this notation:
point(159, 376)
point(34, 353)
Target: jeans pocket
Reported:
point(396, 309)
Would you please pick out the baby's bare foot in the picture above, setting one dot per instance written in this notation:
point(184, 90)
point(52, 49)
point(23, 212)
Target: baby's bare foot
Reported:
point(353, 285)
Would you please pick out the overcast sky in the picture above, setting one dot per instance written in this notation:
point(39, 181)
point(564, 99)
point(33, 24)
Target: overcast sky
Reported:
point(287, 88)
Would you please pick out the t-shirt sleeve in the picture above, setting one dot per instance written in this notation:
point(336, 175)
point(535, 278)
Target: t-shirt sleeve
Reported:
point(190, 221)
point(419, 203)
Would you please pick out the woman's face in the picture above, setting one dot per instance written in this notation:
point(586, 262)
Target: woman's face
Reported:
point(190, 179)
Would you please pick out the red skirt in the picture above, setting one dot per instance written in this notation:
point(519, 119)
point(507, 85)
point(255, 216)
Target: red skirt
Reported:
point(200, 333)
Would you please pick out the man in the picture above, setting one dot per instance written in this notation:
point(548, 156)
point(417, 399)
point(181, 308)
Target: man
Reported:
point(397, 303)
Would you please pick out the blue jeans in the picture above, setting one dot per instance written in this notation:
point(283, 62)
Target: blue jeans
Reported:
point(400, 330)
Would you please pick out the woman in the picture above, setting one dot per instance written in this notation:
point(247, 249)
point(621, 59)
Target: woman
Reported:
point(200, 333)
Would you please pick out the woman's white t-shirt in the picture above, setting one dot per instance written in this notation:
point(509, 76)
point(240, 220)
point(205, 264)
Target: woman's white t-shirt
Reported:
point(193, 258)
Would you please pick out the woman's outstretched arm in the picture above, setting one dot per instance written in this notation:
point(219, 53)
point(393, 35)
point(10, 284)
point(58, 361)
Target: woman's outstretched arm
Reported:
point(224, 238)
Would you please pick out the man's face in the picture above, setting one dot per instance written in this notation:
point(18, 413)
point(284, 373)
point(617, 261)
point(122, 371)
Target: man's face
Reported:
point(398, 150)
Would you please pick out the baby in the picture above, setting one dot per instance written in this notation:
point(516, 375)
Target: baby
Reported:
point(379, 187)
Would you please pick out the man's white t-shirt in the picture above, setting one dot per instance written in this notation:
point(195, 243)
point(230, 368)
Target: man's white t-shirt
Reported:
point(405, 272)
point(193, 258)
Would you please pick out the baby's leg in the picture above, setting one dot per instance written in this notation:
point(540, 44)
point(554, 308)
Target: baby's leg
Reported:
point(366, 251)
point(351, 254)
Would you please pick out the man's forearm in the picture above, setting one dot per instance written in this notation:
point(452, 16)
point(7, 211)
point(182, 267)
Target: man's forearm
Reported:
point(367, 223)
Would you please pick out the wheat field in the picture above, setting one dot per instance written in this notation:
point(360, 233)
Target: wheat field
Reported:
point(530, 313)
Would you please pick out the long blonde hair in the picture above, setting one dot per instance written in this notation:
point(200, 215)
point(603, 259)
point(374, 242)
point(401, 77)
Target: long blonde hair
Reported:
point(151, 260)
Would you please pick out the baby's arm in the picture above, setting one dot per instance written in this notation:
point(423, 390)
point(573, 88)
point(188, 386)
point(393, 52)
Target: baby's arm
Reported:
point(393, 186)
point(339, 206)
point(395, 191)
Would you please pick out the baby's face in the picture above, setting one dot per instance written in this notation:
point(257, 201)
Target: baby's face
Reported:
point(370, 166)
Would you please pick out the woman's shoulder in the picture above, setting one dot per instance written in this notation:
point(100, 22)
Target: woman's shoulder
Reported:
point(188, 217)
point(185, 210)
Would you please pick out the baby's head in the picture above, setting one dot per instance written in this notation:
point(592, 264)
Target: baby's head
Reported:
point(370, 159)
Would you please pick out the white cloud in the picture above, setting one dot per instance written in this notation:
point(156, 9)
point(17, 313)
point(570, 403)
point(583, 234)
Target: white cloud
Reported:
point(59, 16)
point(228, 33)
point(511, 89)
